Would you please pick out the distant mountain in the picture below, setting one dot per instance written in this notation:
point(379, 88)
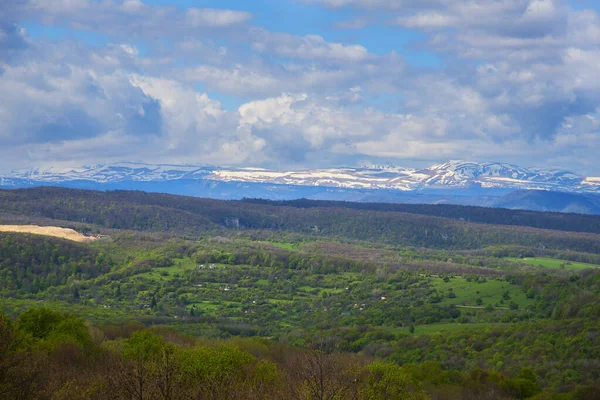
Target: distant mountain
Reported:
point(451, 174)
point(113, 173)
point(451, 182)
point(464, 173)
point(541, 200)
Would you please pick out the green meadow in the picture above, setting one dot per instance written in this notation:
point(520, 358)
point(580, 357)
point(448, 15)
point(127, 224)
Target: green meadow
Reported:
point(498, 293)
point(553, 263)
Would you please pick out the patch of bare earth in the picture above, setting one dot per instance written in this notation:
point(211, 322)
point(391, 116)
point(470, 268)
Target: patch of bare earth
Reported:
point(63, 233)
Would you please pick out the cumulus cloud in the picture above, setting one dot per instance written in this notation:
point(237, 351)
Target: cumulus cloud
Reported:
point(263, 77)
point(215, 18)
point(195, 126)
point(534, 58)
point(51, 103)
point(370, 4)
point(309, 47)
point(518, 82)
point(129, 18)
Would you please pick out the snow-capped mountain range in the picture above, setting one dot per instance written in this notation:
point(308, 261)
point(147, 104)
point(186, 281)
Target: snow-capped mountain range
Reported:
point(454, 174)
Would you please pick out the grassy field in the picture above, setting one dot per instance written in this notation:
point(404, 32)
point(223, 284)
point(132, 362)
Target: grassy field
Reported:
point(490, 292)
point(553, 263)
point(286, 246)
point(439, 328)
point(180, 266)
point(96, 313)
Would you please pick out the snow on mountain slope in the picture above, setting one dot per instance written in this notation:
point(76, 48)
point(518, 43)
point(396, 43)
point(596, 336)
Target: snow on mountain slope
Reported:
point(451, 174)
point(113, 173)
point(347, 177)
point(463, 172)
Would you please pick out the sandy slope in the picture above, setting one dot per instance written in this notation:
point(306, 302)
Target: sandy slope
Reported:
point(63, 233)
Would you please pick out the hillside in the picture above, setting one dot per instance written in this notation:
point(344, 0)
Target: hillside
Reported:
point(187, 215)
point(393, 284)
point(541, 200)
point(486, 215)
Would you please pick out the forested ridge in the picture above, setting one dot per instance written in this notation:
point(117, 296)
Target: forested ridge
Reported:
point(214, 208)
point(195, 298)
point(486, 215)
point(187, 215)
point(33, 263)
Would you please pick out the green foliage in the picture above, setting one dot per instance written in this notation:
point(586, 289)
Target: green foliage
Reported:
point(389, 381)
point(7, 334)
point(32, 263)
point(52, 327)
point(144, 345)
point(376, 223)
point(391, 283)
point(159, 363)
point(215, 364)
point(554, 263)
point(545, 349)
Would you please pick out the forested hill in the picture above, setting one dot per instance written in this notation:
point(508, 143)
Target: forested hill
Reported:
point(193, 216)
point(443, 307)
point(33, 262)
point(485, 215)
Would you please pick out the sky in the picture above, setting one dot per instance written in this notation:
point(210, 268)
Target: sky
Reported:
point(290, 84)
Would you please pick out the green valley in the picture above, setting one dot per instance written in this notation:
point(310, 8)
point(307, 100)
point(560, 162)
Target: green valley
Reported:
point(416, 291)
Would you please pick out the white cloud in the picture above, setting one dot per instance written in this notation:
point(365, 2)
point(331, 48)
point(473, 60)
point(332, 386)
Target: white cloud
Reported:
point(116, 17)
point(369, 4)
point(518, 80)
point(309, 47)
point(242, 80)
point(215, 18)
point(427, 20)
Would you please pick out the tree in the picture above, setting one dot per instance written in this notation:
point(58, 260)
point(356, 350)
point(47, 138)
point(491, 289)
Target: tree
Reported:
point(316, 375)
point(389, 381)
point(54, 327)
point(216, 373)
point(135, 375)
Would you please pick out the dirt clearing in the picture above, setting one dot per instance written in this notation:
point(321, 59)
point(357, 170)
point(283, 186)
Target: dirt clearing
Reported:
point(63, 233)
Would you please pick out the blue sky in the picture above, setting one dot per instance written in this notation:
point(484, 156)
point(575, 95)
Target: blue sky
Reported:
point(299, 83)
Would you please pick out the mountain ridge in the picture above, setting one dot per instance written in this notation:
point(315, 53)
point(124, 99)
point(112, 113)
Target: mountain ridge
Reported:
point(452, 174)
point(451, 182)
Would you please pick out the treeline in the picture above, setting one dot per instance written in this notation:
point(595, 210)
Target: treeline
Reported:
point(575, 296)
point(522, 252)
point(104, 209)
point(496, 216)
point(330, 259)
point(46, 354)
point(560, 353)
point(281, 259)
point(32, 263)
point(192, 216)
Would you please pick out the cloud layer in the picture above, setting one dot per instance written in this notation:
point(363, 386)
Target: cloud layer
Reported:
point(518, 83)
